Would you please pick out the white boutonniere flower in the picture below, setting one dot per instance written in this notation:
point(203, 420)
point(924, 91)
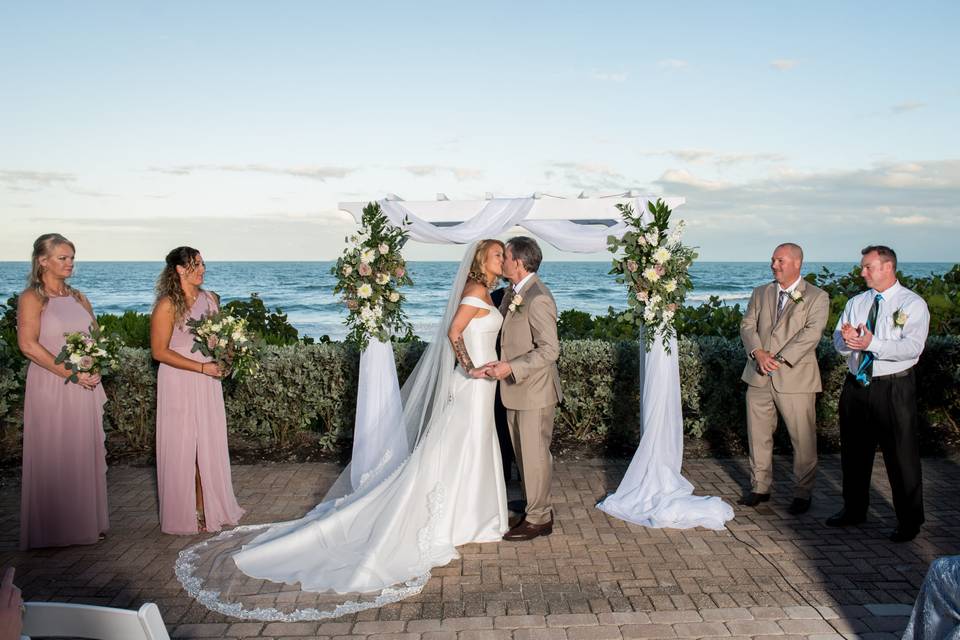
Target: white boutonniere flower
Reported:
point(516, 303)
point(796, 296)
point(900, 318)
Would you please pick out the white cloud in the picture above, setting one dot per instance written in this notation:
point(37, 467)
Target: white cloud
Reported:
point(905, 107)
point(460, 173)
point(784, 64)
point(609, 76)
point(29, 180)
point(672, 64)
point(698, 156)
point(910, 220)
point(588, 176)
point(682, 177)
point(320, 173)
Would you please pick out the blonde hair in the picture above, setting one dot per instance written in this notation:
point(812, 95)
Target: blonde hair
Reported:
point(476, 269)
point(168, 284)
point(42, 248)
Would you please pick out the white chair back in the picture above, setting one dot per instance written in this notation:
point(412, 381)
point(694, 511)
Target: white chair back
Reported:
point(59, 620)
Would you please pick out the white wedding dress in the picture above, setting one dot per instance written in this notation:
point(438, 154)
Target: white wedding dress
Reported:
point(375, 545)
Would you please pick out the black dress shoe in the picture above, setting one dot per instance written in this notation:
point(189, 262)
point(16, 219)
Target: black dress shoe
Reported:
point(844, 518)
point(753, 499)
point(527, 531)
point(798, 506)
point(904, 534)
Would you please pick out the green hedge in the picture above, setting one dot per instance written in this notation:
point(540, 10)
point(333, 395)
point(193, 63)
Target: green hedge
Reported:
point(310, 391)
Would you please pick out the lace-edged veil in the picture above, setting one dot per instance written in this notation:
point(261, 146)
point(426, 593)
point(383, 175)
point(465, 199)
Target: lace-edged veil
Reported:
point(208, 571)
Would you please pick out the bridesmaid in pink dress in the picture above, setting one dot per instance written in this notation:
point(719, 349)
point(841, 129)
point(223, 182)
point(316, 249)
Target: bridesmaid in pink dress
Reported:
point(193, 464)
point(64, 491)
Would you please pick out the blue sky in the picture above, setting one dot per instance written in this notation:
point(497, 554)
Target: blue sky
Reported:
point(236, 127)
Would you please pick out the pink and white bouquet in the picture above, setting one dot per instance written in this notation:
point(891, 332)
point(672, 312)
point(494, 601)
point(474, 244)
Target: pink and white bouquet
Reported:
point(369, 273)
point(227, 340)
point(89, 352)
point(655, 267)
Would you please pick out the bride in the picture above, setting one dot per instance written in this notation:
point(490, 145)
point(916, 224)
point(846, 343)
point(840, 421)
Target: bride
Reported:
point(364, 548)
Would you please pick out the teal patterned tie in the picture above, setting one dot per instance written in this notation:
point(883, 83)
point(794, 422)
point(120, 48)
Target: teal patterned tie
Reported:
point(865, 370)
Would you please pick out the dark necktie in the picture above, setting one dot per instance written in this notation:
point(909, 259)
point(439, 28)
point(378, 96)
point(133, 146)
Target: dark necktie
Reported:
point(865, 370)
point(781, 304)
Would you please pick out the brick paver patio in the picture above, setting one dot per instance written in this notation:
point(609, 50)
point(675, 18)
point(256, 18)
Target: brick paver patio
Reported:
point(595, 578)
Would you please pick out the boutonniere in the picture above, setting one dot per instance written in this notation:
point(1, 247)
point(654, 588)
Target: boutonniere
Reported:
point(900, 318)
point(516, 303)
point(796, 296)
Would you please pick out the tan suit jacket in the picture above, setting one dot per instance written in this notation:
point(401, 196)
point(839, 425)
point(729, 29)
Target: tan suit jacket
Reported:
point(794, 337)
point(529, 342)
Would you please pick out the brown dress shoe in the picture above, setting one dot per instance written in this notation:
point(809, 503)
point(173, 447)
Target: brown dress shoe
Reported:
point(527, 531)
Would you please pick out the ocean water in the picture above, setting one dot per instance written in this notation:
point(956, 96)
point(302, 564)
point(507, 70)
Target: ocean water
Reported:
point(304, 290)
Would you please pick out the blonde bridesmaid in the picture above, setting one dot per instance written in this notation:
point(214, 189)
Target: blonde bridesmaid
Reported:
point(64, 489)
point(193, 464)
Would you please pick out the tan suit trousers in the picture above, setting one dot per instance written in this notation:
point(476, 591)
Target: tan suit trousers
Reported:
point(531, 431)
point(800, 416)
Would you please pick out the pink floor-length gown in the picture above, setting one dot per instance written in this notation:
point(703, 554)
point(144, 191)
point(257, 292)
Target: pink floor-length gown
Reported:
point(191, 434)
point(64, 491)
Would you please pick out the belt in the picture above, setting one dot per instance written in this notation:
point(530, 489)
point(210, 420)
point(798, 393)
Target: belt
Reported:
point(898, 374)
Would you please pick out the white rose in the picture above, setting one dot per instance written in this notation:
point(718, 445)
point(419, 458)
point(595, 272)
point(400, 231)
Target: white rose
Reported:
point(651, 274)
point(383, 278)
point(384, 248)
point(364, 290)
point(347, 270)
point(653, 238)
point(670, 286)
point(661, 255)
point(650, 314)
point(237, 336)
point(222, 342)
point(394, 297)
point(75, 358)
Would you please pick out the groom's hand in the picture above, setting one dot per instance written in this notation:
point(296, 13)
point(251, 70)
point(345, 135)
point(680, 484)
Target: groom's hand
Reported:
point(499, 370)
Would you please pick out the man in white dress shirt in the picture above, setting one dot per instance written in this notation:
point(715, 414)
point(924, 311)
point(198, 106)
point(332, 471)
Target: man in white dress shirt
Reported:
point(882, 333)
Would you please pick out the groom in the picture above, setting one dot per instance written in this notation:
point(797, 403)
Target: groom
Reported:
point(529, 380)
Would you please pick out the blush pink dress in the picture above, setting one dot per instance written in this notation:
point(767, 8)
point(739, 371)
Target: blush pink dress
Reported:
point(64, 492)
point(191, 434)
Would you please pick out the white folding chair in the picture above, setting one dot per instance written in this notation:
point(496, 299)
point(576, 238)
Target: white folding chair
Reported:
point(59, 619)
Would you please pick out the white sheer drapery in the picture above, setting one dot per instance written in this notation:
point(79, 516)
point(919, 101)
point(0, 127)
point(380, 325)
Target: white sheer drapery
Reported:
point(379, 438)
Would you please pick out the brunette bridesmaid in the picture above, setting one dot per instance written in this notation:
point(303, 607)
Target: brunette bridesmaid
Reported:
point(64, 490)
point(193, 464)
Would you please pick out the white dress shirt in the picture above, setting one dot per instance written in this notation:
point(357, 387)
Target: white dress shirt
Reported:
point(517, 287)
point(895, 349)
point(788, 290)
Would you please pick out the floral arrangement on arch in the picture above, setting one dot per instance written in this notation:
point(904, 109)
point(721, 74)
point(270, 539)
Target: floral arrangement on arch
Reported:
point(655, 267)
point(369, 274)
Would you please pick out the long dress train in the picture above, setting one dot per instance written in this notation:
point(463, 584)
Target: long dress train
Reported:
point(378, 544)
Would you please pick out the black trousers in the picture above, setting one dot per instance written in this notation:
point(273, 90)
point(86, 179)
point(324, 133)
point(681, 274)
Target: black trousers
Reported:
point(883, 413)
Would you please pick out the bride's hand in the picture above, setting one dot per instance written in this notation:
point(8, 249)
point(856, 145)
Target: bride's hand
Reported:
point(480, 372)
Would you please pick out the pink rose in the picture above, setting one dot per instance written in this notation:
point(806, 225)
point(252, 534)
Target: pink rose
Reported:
point(364, 269)
point(86, 363)
point(212, 342)
point(631, 266)
point(672, 306)
point(659, 269)
point(399, 272)
point(642, 295)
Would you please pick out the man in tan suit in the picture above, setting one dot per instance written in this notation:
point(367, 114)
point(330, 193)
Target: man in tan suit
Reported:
point(529, 380)
point(780, 332)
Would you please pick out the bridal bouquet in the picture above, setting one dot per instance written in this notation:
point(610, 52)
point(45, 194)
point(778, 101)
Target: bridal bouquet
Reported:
point(655, 266)
point(369, 274)
point(89, 352)
point(226, 339)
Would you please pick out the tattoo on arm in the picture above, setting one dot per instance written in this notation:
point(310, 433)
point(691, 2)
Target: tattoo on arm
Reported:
point(460, 349)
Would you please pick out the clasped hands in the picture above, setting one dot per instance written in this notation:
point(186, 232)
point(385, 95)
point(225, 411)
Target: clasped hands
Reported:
point(856, 338)
point(497, 369)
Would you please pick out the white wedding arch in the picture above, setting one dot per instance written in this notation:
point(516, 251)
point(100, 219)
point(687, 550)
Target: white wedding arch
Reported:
point(653, 492)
